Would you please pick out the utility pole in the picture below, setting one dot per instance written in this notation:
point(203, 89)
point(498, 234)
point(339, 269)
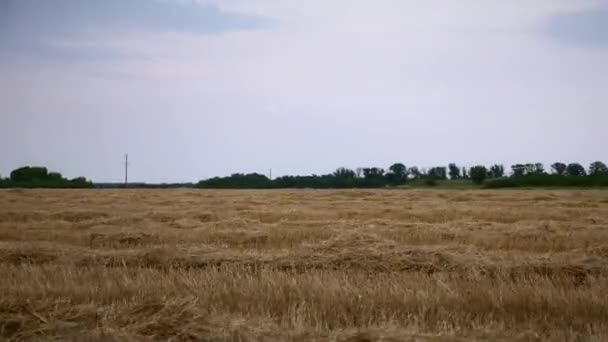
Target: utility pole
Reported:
point(126, 170)
point(270, 174)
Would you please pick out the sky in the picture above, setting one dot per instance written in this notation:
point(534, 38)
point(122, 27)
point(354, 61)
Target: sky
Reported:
point(195, 89)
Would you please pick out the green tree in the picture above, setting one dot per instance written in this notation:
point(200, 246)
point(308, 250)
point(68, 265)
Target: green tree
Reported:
point(454, 171)
point(533, 169)
point(359, 172)
point(373, 172)
point(518, 170)
point(344, 173)
point(478, 174)
point(496, 171)
point(399, 170)
point(575, 169)
point(423, 174)
point(415, 172)
point(55, 176)
point(598, 168)
point(559, 168)
point(28, 174)
point(398, 173)
point(80, 182)
point(438, 173)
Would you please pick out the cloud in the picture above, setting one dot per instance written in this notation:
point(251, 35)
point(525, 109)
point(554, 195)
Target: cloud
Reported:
point(41, 27)
point(74, 15)
point(356, 83)
point(583, 28)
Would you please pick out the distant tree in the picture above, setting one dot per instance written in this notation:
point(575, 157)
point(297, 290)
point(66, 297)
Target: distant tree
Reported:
point(533, 169)
point(359, 172)
point(454, 171)
point(575, 169)
point(399, 170)
point(344, 173)
point(80, 182)
point(397, 174)
point(598, 168)
point(423, 173)
point(496, 171)
point(465, 175)
point(527, 169)
point(237, 180)
point(40, 177)
point(373, 172)
point(518, 170)
point(559, 168)
point(28, 174)
point(478, 174)
point(55, 176)
point(438, 173)
point(442, 172)
point(414, 172)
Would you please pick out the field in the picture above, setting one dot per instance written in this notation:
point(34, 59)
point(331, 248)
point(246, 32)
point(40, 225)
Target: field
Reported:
point(302, 265)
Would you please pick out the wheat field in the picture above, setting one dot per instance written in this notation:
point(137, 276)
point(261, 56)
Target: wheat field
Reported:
point(304, 265)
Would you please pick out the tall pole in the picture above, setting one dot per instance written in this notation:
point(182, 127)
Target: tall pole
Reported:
point(270, 174)
point(126, 170)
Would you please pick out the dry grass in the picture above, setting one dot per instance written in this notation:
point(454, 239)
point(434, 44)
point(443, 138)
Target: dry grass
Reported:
point(304, 265)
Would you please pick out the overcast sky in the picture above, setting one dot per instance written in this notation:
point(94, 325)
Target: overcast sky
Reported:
point(194, 89)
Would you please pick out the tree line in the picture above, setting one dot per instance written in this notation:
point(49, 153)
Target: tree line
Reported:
point(40, 177)
point(560, 174)
point(494, 176)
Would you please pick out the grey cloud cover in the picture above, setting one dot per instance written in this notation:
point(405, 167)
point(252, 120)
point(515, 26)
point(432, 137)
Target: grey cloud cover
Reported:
point(298, 86)
point(581, 28)
point(72, 15)
point(31, 26)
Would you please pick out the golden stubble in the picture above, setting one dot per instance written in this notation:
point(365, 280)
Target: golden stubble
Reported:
point(299, 265)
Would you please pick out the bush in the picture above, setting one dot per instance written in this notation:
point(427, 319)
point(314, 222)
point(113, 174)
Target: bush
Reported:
point(430, 182)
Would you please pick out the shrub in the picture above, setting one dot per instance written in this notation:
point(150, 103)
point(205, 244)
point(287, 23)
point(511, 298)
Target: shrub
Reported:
point(430, 182)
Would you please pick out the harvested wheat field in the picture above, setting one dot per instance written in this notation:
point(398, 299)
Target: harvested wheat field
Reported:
point(304, 265)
